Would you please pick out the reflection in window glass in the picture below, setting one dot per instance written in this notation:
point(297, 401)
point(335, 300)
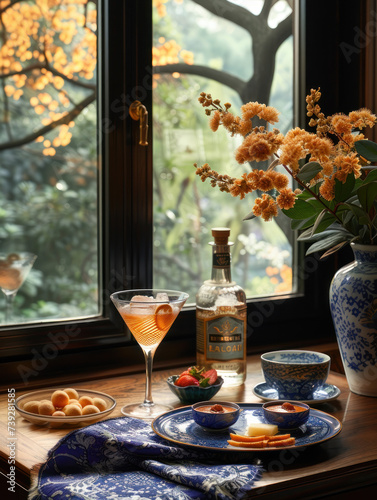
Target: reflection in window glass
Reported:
point(48, 156)
point(238, 53)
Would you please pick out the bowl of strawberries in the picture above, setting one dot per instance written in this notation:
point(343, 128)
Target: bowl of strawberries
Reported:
point(195, 384)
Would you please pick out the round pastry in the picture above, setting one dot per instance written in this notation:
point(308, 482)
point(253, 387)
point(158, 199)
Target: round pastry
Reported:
point(46, 408)
point(72, 393)
point(89, 409)
point(72, 410)
point(85, 401)
point(59, 399)
point(100, 403)
point(32, 406)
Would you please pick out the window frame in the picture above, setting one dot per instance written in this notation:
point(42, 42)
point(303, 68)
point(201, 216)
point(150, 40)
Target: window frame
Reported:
point(126, 207)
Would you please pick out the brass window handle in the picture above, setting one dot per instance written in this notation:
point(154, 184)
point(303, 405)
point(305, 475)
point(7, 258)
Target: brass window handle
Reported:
point(139, 112)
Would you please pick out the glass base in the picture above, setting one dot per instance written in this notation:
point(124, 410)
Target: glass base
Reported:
point(144, 410)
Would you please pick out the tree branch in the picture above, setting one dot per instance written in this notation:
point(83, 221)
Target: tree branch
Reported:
point(230, 11)
point(47, 67)
point(282, 31)
point(194, 69)
point(44, 130)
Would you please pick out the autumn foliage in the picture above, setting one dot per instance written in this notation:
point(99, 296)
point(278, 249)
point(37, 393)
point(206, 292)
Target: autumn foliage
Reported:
point(48, 49)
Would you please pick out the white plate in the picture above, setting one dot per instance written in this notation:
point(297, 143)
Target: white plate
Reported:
point(63, 421)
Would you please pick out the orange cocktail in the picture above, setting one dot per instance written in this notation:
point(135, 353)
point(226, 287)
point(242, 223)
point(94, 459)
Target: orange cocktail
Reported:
point(149, 315)
point(149, 325)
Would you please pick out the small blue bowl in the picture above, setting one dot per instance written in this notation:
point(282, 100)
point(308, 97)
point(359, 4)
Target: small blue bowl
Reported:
point(215, 420)
point(193, 393)
point(286, 420)
point(295, 374)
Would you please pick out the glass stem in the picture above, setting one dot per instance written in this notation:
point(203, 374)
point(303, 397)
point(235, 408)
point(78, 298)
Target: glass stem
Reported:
point(148, 379)
point(9, 307)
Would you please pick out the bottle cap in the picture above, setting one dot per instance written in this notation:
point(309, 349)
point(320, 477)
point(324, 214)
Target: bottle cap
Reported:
point(221, 235)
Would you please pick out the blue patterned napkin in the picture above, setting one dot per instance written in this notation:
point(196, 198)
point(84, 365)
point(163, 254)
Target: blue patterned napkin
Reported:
point(123, 458)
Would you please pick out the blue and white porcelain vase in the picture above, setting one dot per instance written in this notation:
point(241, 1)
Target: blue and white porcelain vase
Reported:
point(353, 302)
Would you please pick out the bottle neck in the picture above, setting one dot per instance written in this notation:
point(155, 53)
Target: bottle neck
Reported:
point(221, 261)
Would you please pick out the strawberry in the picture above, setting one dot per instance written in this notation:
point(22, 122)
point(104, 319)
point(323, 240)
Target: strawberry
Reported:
point(211, 375)
point(185, 380)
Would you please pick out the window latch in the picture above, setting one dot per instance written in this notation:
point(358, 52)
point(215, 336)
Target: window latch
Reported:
point(139, 112)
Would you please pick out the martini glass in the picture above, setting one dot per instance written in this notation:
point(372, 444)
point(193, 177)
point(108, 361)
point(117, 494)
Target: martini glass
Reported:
point(14, 268)
point(149, 315)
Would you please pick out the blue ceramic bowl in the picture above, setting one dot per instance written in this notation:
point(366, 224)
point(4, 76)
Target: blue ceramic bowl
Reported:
point(289, 420)
point(215, 421)
point(192, 393)
point(295, 374)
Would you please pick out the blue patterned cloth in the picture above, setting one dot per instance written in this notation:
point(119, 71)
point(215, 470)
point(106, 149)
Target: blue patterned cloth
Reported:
point(123, 458)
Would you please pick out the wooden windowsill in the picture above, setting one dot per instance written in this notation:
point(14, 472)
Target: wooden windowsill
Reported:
point(346, 462)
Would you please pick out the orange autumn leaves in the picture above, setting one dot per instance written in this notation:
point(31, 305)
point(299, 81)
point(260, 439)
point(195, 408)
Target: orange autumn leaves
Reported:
point(46, 44)
point(331, 146)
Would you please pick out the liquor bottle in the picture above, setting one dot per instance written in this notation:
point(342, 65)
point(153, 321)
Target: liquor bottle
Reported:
point(221, 317)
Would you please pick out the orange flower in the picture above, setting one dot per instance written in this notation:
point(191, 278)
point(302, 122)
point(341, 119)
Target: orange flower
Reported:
point(265, 207)
point(291, 153)
point(286, 199)
point(250, 109)
point(266, 181)
point(362, 118)
point(280, 181)
point(215, 121)
point(341, 124)
point(240, 187)
point(254, 148)
point(327, 189)
point(347, 165)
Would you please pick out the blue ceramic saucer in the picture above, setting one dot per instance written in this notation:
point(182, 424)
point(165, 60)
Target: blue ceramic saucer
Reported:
point(326, 393)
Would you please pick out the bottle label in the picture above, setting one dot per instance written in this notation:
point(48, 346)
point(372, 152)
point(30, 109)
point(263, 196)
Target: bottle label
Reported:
point(221, 260)
point(225, 338)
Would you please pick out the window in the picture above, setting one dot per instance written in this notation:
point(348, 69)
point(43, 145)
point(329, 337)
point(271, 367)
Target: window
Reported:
point(124, 211)
point(49, 161)
point(242, 52)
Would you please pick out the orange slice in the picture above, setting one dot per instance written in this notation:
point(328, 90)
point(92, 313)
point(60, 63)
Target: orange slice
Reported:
point(164, 316)
point(246, 439)
point(279, 437)
point(284, 442)
point(241, 444)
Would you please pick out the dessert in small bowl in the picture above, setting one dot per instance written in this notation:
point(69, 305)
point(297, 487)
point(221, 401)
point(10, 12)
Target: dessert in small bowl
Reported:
point(195, 384)
point(286, 414)
point(215, 416)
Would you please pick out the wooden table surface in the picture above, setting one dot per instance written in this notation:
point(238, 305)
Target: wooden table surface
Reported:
point(347, 461)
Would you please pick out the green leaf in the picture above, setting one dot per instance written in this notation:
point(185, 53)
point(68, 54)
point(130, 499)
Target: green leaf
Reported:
point(367, 149)
point(334, 249)
point(367, 195)
point(325, 243)
point(343, 190)
point(359, 213)
point(249, 216)
point(324, 220)
point(302, 223)
point(372, 176)
point(301, 210)
point(309, 171)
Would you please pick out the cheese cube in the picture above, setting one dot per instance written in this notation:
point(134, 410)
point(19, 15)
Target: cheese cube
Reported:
point(258, 429)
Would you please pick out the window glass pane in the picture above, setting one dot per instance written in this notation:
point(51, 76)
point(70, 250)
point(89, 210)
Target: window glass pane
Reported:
point(48, 158)
point(224, 52)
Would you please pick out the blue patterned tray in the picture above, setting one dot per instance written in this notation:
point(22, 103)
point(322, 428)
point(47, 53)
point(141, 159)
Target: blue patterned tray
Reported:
point(178, 426)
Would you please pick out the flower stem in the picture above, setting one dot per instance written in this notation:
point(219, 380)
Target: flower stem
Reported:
point(318, 198)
